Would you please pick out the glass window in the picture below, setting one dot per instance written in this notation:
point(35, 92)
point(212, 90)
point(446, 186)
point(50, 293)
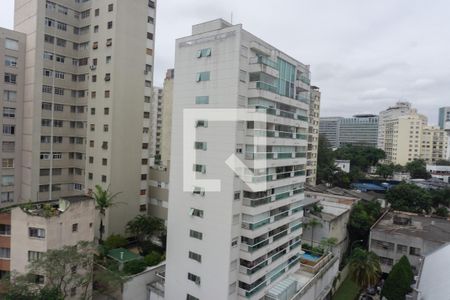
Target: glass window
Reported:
point(36, 232)
point(204, 53)
point(5, 253)
point(10, 61)
point(203, 76)
point(195, 234)
point(202, 100)
point(11, 44)
point(5, 229)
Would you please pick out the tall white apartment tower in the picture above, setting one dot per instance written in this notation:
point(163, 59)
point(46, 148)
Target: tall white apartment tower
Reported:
point(444, 123)
point(88, 82)
point(237, 243)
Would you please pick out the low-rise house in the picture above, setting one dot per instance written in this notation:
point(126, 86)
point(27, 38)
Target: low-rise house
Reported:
point(399, 233)
point(440, 172)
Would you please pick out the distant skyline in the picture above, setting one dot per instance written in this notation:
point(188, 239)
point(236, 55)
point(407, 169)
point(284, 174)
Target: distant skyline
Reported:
point(364, 55)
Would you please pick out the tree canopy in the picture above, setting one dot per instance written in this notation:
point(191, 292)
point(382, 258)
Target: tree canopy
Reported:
point(418, 169)
point(363, 215)
point(409, 197)
point(399, 280)
point(364, 268)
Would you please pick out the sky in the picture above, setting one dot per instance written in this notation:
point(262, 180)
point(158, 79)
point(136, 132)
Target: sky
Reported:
point(364, 55)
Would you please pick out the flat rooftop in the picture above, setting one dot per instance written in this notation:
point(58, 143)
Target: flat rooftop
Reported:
point(409, 224)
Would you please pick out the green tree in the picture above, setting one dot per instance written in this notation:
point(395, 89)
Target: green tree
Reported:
point(409, 197)
point(134, 267)
point(440, 197)
point(312, 223)
point(385, 170)
point(328, 243)
point(361, 157)
point(153, 258)
point(443, 162)
point(103, 200)
point(418, 169)
point(144, 227)
point(399, 280)
point(364, 268)
point(115, 241)
point(325, 161)
point(363, 215)
point(442, 212)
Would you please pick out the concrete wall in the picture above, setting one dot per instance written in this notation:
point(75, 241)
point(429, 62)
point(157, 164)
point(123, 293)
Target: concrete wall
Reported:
point(135, 287)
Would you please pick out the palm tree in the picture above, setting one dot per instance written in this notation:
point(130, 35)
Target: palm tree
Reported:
point(312, 223)
point(103, 201)
point(364, 267)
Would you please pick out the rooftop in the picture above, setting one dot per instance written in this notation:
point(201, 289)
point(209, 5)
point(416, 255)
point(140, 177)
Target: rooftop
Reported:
point(410, 224)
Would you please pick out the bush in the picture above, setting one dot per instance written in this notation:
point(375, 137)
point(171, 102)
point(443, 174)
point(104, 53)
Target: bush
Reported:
point(306, 246)
point(134, 267)
point(442, 212)
point(115, 241)
point(398, 282)
point(153, 258)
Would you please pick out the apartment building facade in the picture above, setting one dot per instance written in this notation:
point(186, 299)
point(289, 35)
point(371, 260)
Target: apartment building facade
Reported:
point(444, 123)
point(250, 240)
point(29, 231)
point(12, 78)
point(155, 125)
point(87, 96)
point(166, 132)
point(434, 144)
point(313, 136)
point(329, 129)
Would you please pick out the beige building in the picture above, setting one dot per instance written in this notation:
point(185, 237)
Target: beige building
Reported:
point(155, 125)
point(29, 231)
point(12, 78)
point(434, 144)
point(166, 133)
point(88, 85)
point(403, 137)
point(313, 136)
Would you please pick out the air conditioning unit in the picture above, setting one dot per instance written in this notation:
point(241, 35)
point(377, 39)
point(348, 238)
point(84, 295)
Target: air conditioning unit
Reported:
point(93, 67)
point(197, 281)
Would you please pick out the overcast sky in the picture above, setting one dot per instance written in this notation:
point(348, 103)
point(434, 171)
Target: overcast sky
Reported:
point(364, 55)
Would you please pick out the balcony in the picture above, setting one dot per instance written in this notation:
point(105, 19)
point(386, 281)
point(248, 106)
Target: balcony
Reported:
point(273, 177)
point(264, 61)
point(281, 113)
point(269, 199)
point(272, 219)
point(267, 87)
point(302, 98)
point(274, 155)
point(277, 134)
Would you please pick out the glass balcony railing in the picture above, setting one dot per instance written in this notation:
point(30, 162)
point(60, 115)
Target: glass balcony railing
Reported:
point(274, 155)
point(282, 113)
point(302, 98)
point(268, 199)
point(267, 87)
point(268, 62)
point(304, 79)
point(277, 134)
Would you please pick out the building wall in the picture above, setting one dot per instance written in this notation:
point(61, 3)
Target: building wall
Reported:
point(11, 104)
point(361, 130)
point(329, 128)
point(5, 242)
point(434, 144)
point(167, 100)
point(228, 237)
point(444, 123)
point(313, 138)
point(156, 125)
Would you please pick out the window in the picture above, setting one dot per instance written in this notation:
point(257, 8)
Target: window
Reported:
point(104, 161)
point(108, 59)
point(61, 42)
point(148, 83)
point(143, 207)
point(5, 229)
point(188, 296)
point(144, 145)
point(386, 261)
point(9, 96)
point(59, 75)
point(234, 242)
point(37, 279)
point(5, 253)
point(46, 89)
point(195, 234)
point(95, 28)
point(200, 145)
point(34, 255)
point(144, 161)
point(105, 145)
point(60, 58)
point(402, 248)
point(93, 111)
point(91, 159)
point(107, 76)
point(11, 44)
point(151, 4)
point(237, 195)
point(8, 163)
point(109, 25)
point(106, 110)
point(8, 146)
point(94, 45)
point(75, 227)
point(110, 7)
point(48, 55)
point(146, 115)
point(9, 112)
point(194, 278)
point(199, 168)
point(203, 76)
point(7, 197)
point(107, 94)
point(58, 107)
point(150, 20)
point(10, 61)
point(36, 232)
point(97, 12)
point(108, 42)
point(59, 91)
point(143, 192)
point(105, 127)
point(10, 78)
point(196, 212)
point(143, 176)
point(414, 251)
point(103, 178)
point(149, 51)
point(204, 53)
point(202, 100)
point(201, 123)
point(149, 36)
point(9, 129)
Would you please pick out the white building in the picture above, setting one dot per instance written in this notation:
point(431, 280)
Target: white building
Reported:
point(440, 172)
point(344, 165)
point(444, 123)
point(237, 243)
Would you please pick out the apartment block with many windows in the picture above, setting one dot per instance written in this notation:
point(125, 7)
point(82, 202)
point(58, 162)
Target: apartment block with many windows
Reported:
point(313, 136)
point(86, 105)
point(12, 78)
point(444, 123)
point(248, 239)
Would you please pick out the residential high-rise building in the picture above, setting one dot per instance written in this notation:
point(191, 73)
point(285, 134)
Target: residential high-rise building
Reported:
point(239, 243)
point(444, 123)
point(361, 130)
point(166, 133)
point(88, 82)
point(434, 144)
point(399, 109)
point(155, 125)
point(12, 79)
point(329, 129)
point(313, 136)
